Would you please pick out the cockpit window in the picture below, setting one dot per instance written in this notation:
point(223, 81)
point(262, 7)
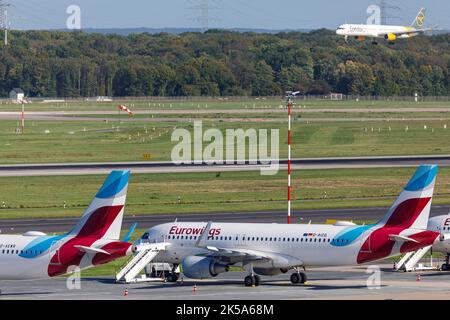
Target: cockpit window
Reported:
point(145, 236)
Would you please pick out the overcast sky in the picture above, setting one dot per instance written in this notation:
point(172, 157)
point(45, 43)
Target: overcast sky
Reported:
point(266, 14)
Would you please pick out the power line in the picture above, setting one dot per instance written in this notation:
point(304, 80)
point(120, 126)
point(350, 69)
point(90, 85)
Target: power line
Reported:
point(384, 8)
point(204, 7)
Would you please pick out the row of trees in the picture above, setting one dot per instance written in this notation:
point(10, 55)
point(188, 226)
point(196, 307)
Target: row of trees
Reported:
point(64, 64)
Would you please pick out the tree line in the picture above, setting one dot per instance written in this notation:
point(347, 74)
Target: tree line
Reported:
point(214, 63)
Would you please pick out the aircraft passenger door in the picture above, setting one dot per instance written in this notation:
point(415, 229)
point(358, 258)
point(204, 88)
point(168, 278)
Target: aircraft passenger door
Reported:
point(54, 253)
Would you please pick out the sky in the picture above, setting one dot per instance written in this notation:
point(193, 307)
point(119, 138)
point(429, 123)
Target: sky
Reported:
point(260, 14)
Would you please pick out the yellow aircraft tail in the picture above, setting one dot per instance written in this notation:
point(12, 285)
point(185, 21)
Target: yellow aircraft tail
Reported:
point(419, 21)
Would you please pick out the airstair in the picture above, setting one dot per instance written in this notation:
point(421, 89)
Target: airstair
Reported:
point(145, 254)
point(410, 260)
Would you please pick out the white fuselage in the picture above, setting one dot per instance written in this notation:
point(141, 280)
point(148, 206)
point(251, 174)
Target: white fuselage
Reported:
point(441, 224)
point(29, 257)
point(301, 244)
point(373, 30)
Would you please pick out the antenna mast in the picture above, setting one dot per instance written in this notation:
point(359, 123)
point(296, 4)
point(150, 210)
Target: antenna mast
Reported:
point(4, 19)
point(290, 103)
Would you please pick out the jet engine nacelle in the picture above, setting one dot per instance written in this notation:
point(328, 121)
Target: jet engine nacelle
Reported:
point(269, 271)
point(390, 37)
point(196, 267)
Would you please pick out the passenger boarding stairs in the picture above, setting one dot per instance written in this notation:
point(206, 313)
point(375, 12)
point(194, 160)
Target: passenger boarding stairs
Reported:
point(145, 254)
point(410, 259)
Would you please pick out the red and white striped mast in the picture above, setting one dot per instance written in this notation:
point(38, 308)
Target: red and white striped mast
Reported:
point(290, 103)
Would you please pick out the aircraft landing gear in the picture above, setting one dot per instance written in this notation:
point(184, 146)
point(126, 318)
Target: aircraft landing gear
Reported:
point(298, 277)
point(172, 277)
point(446, 265)
point(252, 280)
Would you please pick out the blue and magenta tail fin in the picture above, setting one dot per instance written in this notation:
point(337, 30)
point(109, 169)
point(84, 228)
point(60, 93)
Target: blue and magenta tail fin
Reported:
point(412, 207)
point(103, 218)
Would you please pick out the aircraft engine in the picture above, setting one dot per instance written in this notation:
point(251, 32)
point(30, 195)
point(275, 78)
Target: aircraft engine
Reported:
point(360, 38)
point(269, 271)
point(196, 267)
point(390, 37)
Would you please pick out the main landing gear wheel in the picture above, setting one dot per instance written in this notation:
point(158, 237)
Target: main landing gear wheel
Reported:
point(252, 280)
point(172, 277)
point(298, 277)
point(445, 267)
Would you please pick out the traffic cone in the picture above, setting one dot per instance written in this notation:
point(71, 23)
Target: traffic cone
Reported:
point(194, 288)
point(418, 277)
point(125, 292)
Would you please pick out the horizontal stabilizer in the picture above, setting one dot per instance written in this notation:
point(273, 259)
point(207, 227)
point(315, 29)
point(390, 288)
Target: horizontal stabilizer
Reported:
point(399, 238)
point(91, 249)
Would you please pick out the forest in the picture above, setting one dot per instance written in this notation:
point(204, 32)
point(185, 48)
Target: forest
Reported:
point(220, 63)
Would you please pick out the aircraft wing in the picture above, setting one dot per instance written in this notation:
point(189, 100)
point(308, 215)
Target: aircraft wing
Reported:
point(410, 31)
point(243, 255)
point(234, 255)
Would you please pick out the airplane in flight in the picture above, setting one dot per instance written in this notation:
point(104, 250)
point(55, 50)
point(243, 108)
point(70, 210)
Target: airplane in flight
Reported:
point(205, 250)
point(93, 241)
point(387, 32)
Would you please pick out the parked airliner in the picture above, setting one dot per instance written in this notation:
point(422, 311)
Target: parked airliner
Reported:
point(441, 224)
point(389, 33)
point(207, 249)
point(93, 241)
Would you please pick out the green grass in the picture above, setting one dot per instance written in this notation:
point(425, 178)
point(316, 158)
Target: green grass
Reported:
point(44, 197)
point(215, 103)
point(87, 141)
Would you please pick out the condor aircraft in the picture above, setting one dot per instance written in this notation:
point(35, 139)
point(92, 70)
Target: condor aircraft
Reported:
point(389, 33)
point(207, 249)
point(93, 241)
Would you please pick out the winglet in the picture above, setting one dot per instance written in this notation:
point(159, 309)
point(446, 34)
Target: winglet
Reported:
point(201, 242)
point(129, 233)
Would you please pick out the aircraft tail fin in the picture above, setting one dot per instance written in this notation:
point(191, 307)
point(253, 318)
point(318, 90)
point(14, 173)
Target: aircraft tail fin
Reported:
point(412, 208)
point(419, 21)
point(103, 217)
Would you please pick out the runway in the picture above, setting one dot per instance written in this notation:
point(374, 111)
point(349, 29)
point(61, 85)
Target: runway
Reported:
point(348, 283)
point(48, 169)
point(146, 221)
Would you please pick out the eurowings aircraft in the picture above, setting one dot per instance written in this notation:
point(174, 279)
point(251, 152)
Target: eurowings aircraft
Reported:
point(441, 224)
point(205, 250)
point(389, 33)
point(93, 241)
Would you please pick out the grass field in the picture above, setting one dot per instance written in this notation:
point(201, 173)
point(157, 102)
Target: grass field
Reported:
point(215, 103)
point(32, 197)
point(88, 141)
